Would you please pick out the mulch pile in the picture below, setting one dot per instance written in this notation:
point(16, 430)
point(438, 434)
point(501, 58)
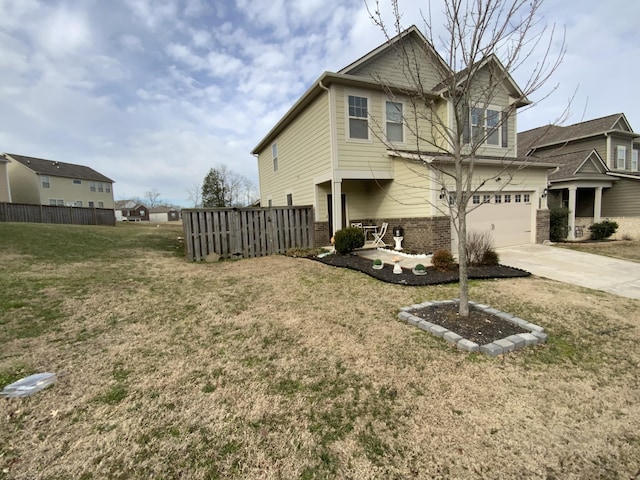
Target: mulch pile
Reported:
point(407, 277)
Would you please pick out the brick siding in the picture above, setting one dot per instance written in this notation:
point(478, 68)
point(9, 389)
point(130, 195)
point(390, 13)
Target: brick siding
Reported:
point(543, 225)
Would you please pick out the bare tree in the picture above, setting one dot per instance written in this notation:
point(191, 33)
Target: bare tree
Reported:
point(193, 193)
point(152, 198)
point(453, 119)
point(222, 187)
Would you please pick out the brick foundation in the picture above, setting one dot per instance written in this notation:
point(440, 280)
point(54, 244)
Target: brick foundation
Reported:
point(628, 227)
point(322, 236)
point(543, 225)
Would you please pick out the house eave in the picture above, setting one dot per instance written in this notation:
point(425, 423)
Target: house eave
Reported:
point(431, 157)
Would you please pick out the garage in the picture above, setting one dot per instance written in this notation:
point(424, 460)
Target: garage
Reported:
point(507, 215)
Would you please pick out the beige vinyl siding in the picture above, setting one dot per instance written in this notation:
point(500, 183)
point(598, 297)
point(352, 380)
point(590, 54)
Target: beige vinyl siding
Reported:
point(304, 153)
point(24, 183)
point(389, 67)
point(622, 200)
point(64, 189)
point(589, 167)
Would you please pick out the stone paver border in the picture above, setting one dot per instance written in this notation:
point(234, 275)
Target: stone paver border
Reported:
point(498, 347)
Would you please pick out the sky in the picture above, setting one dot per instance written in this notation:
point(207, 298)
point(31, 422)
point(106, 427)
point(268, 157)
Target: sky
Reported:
point(154, 93)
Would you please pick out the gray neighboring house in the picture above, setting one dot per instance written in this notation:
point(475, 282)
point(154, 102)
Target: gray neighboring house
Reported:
point(598, 177)
point(163, 214)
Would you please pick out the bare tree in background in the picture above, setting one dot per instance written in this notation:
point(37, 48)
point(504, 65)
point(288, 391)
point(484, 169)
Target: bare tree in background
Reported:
point(193, 194)
point(486, 41)
point(152, 198)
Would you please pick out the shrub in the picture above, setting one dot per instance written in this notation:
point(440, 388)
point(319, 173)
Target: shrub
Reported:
point(377, 262)
point(602, 230)
point(348, 239)
point(490, 257)
point(419, 267)
point(443, 260)
point(478, 243)
point(558, 224)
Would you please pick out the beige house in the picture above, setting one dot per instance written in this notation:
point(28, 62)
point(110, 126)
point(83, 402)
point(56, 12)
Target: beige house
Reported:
point(598, 176)
point(5, 189)
point(47, 182)
point(348, 147)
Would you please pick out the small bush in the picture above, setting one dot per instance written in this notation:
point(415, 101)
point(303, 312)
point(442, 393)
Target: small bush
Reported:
point(490, 257)
point(478, 243)
point(602, 230)
point(419, 267)
point(443, 260)
point(558, 224)
point(377, 261)
point(348, 239)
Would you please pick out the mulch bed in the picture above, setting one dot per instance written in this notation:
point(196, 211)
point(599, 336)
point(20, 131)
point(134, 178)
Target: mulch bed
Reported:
point(407, 277)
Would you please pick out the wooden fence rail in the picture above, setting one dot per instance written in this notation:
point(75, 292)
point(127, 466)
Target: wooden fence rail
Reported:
point(22, 212)
point(246, 232)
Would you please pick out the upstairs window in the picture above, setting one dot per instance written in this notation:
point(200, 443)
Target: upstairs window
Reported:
point(634, 160)
point(274, 154)
point(77, 182)
point(92, 187)
point(487, 127)
point(289, 199)
point(100, 187)
point(358, 117)
point(45, 181)
point(621, 157)
point(394, 116)
point(107, 187)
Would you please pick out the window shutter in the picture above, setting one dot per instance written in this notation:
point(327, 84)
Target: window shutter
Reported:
point(505, 129)
point(465, 121)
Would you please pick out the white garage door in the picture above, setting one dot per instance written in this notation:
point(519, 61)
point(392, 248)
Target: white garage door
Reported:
point(508, 216)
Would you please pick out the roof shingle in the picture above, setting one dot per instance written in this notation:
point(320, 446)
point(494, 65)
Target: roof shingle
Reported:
point(59, 169)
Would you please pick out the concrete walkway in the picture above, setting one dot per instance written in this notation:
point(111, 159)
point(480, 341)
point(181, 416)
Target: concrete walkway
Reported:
point(619, 277)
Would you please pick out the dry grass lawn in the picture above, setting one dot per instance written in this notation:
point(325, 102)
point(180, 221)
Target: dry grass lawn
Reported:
point(624, 249)
point(281, 368)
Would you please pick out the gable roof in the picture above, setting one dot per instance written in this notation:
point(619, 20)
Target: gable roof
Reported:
point(58, 169)
point(551, 134)
point(574, 165)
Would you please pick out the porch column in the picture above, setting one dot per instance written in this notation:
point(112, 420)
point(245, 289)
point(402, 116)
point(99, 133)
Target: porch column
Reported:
point(336, 207)
point(597, 206)
point(572, 213)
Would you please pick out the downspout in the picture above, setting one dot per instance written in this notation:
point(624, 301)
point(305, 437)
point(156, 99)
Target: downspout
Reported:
point(336, 192)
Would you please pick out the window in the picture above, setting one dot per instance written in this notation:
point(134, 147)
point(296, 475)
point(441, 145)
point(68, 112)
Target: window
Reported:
point(91, 204)
point(100, 204)
point(274, 154)
point(486, 128)
point(498, 198)
point(107, 187)
point(77, 182)
point(45, 181)
point(270, 203)
point(527, 199)
point(289, 199)
point(358, 117)
point(486, 198)
point(100, 187)
point(394, 115)
point(77, 203)
point(57, 202)
point(476, 199)
point(518, 198)
point(634, 160)
point(507, 198)
point(142, 213)
point(621, 157)
point(92, 187)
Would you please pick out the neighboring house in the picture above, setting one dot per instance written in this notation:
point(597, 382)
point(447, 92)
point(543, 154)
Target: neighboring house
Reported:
point(47, 182)
point(5, 189)
point(598, 177)
point(328, 151)
point(128, 210)
point(163, 214)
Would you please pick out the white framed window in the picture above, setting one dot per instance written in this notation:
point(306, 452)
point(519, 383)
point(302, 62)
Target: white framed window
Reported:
point(100, 187)
point(77, 181)
point(634, 160)
point(518, 198)
point(358, 117)
point(486, 198)
point(142, 213)
point(91, 204)
point(46, 183)
point(498, 198)
point(274, 155)
point(476, 199)
point(507, 198)
point(486, 127)
point(621, 157)
point(527, 198)
point(100, 204)
point(107, 187)
point(289, 199)
point(58, 202)
point(92, 187)
point(77, 203)
point(394, 115)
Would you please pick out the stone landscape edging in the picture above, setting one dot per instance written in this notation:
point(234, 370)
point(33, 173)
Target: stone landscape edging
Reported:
point(493, 349)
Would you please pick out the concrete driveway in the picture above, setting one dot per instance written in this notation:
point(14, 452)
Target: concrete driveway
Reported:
point(619, 277)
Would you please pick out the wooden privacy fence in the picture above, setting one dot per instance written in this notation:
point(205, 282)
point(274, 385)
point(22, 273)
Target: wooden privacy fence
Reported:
point(246, 232)
point(23, 212)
